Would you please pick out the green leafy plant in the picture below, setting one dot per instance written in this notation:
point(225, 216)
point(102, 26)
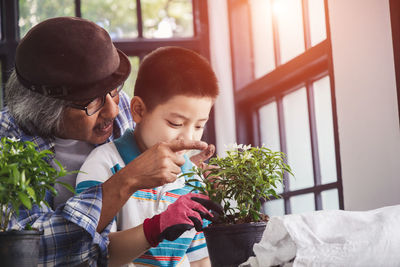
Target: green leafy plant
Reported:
point(25, 176)
point(246, 175)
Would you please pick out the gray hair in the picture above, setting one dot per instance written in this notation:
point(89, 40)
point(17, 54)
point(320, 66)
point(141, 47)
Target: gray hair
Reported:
point(36, 114)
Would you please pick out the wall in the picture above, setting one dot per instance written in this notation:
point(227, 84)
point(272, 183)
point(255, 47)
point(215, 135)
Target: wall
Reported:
point(225, 127)
point(366, 100)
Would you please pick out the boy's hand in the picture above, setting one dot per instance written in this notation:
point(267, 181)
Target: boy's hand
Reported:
point(159, 165)
point(184, 214)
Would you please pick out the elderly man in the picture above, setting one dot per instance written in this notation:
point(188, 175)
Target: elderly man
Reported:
point(65, 95)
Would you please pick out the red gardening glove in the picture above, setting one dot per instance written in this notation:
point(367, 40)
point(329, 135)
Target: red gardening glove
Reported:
point(184, 214)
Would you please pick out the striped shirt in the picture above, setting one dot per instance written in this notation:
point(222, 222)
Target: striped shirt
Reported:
point(109, 158)
point(70, 236)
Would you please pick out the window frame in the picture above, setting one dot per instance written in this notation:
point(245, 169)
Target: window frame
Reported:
point(395, 26)
point(250, 93)
point(9, 36)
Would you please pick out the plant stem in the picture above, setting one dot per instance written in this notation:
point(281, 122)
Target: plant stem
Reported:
point(1, 218)
point(5, 216)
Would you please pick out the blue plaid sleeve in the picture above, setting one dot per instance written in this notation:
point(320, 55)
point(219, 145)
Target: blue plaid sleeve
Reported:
point(69, 233)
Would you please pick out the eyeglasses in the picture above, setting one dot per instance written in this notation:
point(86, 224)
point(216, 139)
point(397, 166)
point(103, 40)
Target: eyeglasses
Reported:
point(96, 104)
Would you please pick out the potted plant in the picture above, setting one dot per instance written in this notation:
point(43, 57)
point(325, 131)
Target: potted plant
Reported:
point(241, 181)
point(25, 176)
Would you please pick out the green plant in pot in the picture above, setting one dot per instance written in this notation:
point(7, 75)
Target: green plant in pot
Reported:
point(25, 176)
point(241, 181)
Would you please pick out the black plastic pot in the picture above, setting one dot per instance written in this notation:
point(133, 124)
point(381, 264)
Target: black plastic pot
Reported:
point(19, 248)
point(231, 245)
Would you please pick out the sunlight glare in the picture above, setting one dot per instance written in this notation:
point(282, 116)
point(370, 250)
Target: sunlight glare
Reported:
point(278, 7)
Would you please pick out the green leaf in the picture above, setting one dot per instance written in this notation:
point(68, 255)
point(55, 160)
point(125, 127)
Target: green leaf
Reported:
point(25, 200)
point(67, 186)
point(31, 193)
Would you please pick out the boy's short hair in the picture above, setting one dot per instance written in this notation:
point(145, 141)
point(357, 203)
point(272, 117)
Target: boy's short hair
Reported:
point(170, 71)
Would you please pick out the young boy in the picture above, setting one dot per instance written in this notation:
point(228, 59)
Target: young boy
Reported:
point(174, 92)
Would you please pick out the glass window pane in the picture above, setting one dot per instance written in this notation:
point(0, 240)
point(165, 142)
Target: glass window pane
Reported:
point(167, 18)
point(269, 126)
point(325, 137)
point(274, 207)
point(302, 203)
point(31, 12)
point(289, 17)
point(129, 84)
point(298, 139)
point(316, 11)
point(330, 199)
point(118, 17)
point(263, 41)
point(269, 129)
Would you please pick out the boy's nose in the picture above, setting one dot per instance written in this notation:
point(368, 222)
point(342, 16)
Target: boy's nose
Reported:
point(187, 135)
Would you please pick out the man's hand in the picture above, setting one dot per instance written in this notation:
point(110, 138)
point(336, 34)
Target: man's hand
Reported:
point(160, 164)
point(184, 214)
point(204, 155)
point(155, 167)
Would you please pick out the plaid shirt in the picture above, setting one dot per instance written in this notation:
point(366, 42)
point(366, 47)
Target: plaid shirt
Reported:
point(69, 232)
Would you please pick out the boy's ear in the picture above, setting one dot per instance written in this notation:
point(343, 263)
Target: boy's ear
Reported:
point(138, 108)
